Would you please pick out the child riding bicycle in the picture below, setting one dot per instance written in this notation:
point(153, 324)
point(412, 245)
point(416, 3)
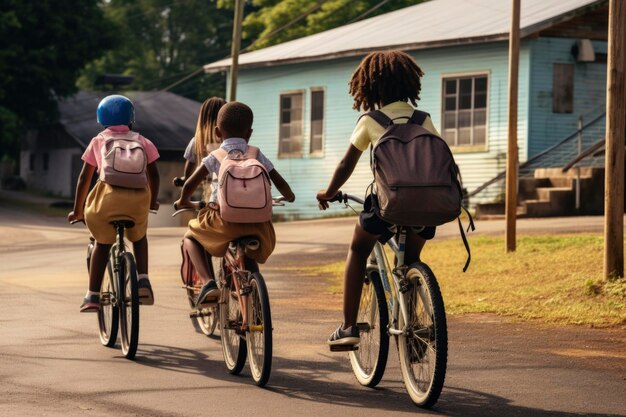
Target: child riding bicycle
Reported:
point(210, 232)
point(385, 81)
point(126, 191)
point(203, 142)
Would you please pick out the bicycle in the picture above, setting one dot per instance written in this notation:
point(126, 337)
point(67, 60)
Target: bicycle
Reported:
point(243, 306)
point(403, 301)
point(205, 319)
point(119, 294)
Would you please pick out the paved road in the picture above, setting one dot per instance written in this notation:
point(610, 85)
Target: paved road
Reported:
point(51, 362)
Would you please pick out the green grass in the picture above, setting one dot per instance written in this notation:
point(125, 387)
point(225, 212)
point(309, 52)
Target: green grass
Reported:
point(552, 279)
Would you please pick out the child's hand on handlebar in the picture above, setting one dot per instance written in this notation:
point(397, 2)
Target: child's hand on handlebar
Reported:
point(74, 217)
point(323, 198)
point(182, 204)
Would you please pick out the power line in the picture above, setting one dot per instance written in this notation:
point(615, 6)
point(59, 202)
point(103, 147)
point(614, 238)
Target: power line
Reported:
point(368, 12)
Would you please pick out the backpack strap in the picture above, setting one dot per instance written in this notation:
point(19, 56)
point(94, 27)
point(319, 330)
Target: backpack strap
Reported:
point(418, 117)
point(472, 227)
point(220, 154)
point(379, 117)
point(252, 152)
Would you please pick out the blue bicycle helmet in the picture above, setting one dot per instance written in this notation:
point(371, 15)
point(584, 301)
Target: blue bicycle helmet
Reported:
point(115, 110)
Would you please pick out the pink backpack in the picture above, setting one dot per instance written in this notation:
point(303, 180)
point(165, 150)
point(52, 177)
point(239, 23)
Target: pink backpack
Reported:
point(244, 188)
point(123, 160)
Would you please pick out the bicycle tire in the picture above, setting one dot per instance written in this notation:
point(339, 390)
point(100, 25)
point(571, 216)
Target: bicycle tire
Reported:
point(129, 306)
point(108, 314)
point(370, 360)
point(259, 336)
point(427, 347)
point(234, 346)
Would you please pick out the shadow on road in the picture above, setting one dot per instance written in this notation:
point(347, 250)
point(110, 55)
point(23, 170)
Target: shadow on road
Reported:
point(316, 381)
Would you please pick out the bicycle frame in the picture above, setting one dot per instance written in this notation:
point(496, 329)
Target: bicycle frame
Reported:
point(235, 265)
point(395, 295)
point(117, 252)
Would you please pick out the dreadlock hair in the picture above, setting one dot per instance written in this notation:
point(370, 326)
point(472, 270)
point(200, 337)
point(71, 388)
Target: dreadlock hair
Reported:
point(205, 136)
point(383, 78)
point(235, 118)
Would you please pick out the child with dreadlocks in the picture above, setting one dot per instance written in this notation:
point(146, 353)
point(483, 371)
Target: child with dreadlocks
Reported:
point(386, 81)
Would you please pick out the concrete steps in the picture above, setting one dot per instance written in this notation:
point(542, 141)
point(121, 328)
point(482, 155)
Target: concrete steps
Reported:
point(552, 192)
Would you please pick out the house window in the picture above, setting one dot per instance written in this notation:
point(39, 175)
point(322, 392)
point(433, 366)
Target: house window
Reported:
point(563, 88)
point(291, 119)
point(31, 161)
point(317, 121)
point(46, 161)
point(465, 110)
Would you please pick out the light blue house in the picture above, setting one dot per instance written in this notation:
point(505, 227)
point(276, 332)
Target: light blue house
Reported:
point(303, 113)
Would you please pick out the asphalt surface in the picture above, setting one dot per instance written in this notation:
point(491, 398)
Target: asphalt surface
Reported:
point(52, 364)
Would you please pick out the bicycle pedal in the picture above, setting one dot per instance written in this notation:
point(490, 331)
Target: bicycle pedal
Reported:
point(343, 348)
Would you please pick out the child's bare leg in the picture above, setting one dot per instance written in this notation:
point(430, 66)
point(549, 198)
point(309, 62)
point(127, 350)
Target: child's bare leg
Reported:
point(414, 245)
point(198, 258)
point(360, 248)
point(140, 248)
point(98, 263)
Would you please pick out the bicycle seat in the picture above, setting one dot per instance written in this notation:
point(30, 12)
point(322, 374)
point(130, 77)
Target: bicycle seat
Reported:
point(249, 242)
point(126, 224)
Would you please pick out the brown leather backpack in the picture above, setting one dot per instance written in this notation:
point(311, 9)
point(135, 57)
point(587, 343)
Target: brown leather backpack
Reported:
point(417, 181)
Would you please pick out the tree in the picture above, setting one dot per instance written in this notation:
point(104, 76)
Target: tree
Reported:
point(268, 23)
point(43, 46)
point(161, 41)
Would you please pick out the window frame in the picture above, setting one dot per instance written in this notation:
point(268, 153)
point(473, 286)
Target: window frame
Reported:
point(317, 153)
point(291, 155)
point(471, 148)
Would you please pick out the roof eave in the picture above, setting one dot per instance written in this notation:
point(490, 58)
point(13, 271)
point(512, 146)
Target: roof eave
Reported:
point(209, 68)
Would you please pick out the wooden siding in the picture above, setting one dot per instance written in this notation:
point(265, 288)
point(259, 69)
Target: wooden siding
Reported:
point(260, 88)
point(546, 127)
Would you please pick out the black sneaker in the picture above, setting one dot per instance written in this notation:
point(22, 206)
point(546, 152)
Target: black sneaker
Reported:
point(146, 296)
point(345, 337)
point(90, 304)
point(208, 290)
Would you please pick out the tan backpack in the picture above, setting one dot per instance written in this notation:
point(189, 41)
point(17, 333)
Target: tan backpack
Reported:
point(244, 188)
point(123, 160)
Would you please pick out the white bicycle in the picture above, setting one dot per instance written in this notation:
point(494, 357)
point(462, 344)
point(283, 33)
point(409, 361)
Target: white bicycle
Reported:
point(410, 296)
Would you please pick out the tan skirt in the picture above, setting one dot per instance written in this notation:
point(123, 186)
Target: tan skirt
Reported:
point(106, 203)
point(214, 234)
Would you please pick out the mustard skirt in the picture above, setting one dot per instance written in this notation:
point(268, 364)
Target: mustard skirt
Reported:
point(106, 203)
point(214, 234)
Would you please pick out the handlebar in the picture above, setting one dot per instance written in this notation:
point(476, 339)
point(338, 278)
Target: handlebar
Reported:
point(344, 197)
point(199, 205)
point(178, 182)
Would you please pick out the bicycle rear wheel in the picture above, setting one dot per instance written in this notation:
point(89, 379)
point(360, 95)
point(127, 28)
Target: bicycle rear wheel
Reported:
point(129, 307)
point(423, 348)
point(369, 361)
point(108, 314)
point(259, 336)
point(233, 344)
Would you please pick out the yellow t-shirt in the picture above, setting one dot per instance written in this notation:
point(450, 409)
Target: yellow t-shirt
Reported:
point(367, 130)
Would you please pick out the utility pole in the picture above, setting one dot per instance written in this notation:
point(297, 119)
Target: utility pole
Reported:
point(234, 51)
point(512, 153)
point(615, 126)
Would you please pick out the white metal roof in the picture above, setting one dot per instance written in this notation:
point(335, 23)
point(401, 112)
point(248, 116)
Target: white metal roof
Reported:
point(430, 24)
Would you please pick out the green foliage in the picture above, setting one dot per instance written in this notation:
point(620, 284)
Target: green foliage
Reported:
point(161, 41)
point(43, 46)
point(263, 24)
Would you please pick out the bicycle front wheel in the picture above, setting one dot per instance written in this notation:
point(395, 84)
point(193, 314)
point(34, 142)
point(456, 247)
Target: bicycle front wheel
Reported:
point(207, 322)
point(369, 361)
point(108, 314)
point(129, 307)
point(233, 344)
point(259, 336)
point(423, 347)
